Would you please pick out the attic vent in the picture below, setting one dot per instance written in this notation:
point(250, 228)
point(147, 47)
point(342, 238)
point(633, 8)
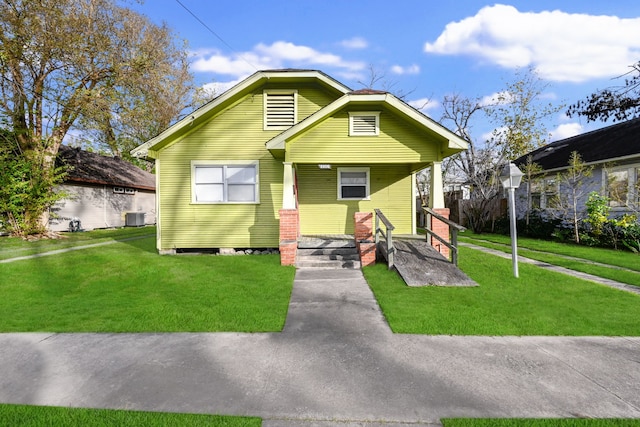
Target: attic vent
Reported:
point(364, 123)
point(279, 110)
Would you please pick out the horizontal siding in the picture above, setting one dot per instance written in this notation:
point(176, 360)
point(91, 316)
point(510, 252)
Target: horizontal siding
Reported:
point(236, 134)
point(399, 142)
point(322, 213)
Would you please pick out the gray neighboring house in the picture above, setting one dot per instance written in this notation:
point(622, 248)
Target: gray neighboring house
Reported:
point(614, 153)
point(104, 192)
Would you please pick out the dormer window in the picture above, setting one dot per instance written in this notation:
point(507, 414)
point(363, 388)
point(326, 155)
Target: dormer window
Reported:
point(280, 109)
point(364, 124)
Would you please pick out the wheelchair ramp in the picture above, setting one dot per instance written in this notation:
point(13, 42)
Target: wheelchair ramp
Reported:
point(419, 264)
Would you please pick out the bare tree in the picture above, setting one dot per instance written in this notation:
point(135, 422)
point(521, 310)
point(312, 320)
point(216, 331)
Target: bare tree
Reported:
point(571, 190)
point(478, 167)
point(532, 176)
point(378, 79)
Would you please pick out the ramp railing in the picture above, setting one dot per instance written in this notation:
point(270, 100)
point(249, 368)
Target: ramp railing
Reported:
point(453, 229)
point(387, 233)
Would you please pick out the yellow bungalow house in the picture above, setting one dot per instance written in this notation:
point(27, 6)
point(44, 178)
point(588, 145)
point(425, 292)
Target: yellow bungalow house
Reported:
point(291, 149)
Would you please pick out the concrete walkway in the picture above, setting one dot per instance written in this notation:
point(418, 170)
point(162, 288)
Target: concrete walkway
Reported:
point(335, 363)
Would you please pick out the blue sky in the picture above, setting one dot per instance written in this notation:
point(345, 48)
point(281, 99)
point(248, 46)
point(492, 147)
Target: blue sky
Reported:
point(424, 48)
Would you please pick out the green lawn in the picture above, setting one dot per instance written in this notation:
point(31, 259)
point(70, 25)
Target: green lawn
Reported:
point(11, 247)
point(128, 287)
point(37, 416)
point(540, 302)
point(584, 265)
point(618, 258)
point(571, 422)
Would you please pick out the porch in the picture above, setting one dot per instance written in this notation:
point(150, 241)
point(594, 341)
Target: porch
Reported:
point(414, 257)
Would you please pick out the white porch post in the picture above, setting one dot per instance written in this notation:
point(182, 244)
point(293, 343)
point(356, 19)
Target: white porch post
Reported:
point(436, 196)
point(414, 215)
point(288, 196)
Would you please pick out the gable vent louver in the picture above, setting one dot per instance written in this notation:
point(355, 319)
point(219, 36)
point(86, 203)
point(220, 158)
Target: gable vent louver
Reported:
point(364, 125)
point(280, 110)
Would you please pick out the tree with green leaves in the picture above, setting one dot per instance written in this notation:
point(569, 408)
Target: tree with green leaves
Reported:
point(520, 113)
point(618, 102)
point(88, 65)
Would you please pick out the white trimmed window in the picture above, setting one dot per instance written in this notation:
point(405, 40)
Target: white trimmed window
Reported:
point(280, 109)
point(353, 183)
point(364, 124)
point(225, 182)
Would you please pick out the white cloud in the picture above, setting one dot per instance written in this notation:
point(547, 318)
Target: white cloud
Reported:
point(424, 104)
point(566, 130)
point(279, 54)
point(236, 65)
point(355, 43)
point(411, 69)
point(560, 45)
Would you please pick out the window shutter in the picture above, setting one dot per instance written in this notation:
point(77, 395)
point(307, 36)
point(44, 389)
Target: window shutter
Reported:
point(280, 110)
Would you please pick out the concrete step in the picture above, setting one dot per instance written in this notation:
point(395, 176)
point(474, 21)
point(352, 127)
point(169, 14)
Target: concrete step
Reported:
point(331, 252)
point(319, 243)
point(321, 262)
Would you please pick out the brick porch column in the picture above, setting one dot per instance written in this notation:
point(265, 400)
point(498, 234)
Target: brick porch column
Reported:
point(364, 237)
point(442, 230)
point(289, 233)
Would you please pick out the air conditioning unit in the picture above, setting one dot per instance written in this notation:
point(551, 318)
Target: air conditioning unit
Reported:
point(134, 219)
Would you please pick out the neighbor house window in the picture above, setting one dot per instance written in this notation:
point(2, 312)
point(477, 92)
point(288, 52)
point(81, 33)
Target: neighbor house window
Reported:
point(536, 194)
point(353, 183)
point(364, 123)
point(280, 109)
point(550, 192)
point(636, 187)
point(225, 182)
point(617, 187)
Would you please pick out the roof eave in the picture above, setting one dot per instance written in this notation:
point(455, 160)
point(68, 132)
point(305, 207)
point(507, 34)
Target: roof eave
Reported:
point(455, 142)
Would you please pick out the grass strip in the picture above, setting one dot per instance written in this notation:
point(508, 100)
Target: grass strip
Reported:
point(128, 287)
point(585, 266)
point(36, 416)
point(539, 422)
point(619, 258)
point(540, 302)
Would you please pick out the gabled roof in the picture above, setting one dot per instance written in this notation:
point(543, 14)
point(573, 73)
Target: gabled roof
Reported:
point(93, 168)
point(368, 96)
point(613, 143)
point(227, 98)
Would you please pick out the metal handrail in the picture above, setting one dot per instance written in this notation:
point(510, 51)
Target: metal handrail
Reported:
point(387, 233)
point(453, 228)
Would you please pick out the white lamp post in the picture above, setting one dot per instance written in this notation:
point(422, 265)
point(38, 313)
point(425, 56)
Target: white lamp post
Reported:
point(510, 178)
